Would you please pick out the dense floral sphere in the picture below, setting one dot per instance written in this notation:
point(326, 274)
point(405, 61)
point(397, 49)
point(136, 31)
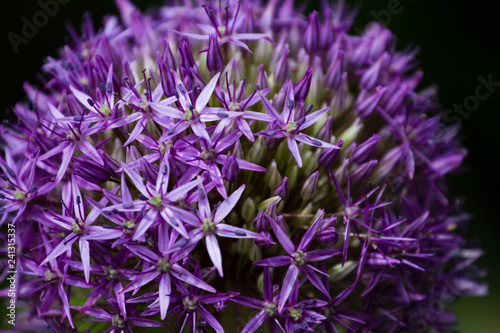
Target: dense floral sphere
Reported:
point(229, 166)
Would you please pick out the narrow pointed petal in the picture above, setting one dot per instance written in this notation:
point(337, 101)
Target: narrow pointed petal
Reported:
point(164, 294)
point(207, 92)
point(226, 206)
point(85, 254)
point(294, 149)
point(288, 284)
point(214, 252)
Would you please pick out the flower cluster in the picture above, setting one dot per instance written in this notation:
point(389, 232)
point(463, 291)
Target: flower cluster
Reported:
point(233, 165)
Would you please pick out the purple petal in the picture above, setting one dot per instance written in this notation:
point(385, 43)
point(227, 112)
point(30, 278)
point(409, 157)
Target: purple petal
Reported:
point(226, 206)
point(283, 238)
point(254, 323)
point(207, 92)
point(292, 145)
point(184, 275)
point(210, 319)
point(214, 252)
point(274, 261)
point(270, 109)
point(85, 255)
point(89, 150)
point(288, 284)
point(313, 117)
point(164, 294)
point(314, 279)
point(229, 231)
point(310, 233)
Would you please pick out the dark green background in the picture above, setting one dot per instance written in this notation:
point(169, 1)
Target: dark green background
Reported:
point(458, 42)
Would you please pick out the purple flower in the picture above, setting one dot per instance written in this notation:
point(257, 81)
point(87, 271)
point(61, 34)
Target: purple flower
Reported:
point(285, 125)
point(298, 259)
point(207, 224)
point(131, 181)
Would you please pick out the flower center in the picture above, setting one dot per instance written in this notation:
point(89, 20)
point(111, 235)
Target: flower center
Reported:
point(270, 309)
point(189, 303)
point(235, 106)
point(19, 195)
point(49, 275)
point(156, 200)
point(296, 314)
point(118, 321)
point(78, 226)
point(299, 257)
point(163, 265)
point(105, 110)
point(111, 272)
point(208, 226)
point(71, 134)
point(191, 114)
point(162, 147)
point(208, 154)
point(144, 106)
point(222, 30)
point(290, 127)
point(128, 226)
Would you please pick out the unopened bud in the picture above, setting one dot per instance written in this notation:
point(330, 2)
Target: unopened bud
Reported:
point(264, 204)
point(365, 150)
point(261, 80)
point(329, 156)
point(215, 63)
point(248, 209)
point(362, 171)
point(282, 188)
point(273, 176)
point(310, 186)
point(230, 169)
point(301, 89)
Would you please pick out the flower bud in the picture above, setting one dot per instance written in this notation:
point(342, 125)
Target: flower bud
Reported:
point(282, 69)
point(271, 210)
point(365, 150)
point(310, 38)
point(273, 176)
point(280, 220)
point(325, 133)
point(310, 186)
point(221, 305)
point(301, 89)
point(230, 169)
point(282, 188)
point(333, 78)
point(266, 240)
point(215, 63)
point(371, 75)
point(167, 79)
point(366, 105)
point(329, 156)
point(258, 150)
point(329, 236)
point(248, 209)
point(264, 204)
point(186, 59)
point(362, 171)
point(261, 80)
point(261, 221)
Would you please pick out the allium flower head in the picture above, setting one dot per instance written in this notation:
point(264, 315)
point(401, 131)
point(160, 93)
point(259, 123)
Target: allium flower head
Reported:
point(229, 166)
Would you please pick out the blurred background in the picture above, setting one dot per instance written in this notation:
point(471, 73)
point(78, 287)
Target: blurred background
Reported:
point(458, 41)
